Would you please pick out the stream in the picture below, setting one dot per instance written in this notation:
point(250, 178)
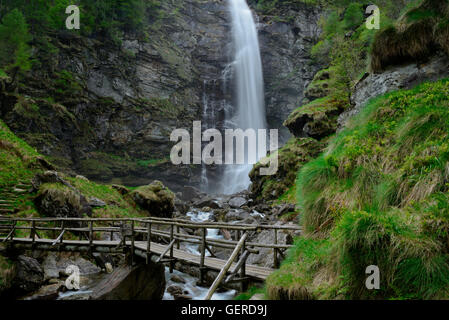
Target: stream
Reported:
point(189, 287)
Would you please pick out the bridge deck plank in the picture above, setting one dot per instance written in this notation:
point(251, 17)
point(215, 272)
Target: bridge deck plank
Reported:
point(252, 271)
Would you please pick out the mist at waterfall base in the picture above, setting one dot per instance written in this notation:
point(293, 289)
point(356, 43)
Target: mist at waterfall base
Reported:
point(248, 110)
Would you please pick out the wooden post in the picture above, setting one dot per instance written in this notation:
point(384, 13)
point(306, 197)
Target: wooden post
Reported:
point(62, 232)
point(243, 283)
point(238, 238)
point(203, 254)
point(13, 230)
point(275, 252)
point(170, 245)
point(112, 232)
point(171, 249)
point(132, 242)
point(148, 243)
point(226, 267)
point(178, 243)
point(33, 232)
point(91, 234)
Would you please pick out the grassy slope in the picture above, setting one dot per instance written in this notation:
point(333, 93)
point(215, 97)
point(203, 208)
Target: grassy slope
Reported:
point(378, 195)
point(18, 162)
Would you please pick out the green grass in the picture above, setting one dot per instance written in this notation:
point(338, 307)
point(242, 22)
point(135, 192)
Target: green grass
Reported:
point(251, 292)
point(17, 158)
point(151, 162)
point(377, 196)
point(117, 206)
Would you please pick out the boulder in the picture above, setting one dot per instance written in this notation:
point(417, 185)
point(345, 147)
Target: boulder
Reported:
point(317, 119)
point(177, 279)
point(48, 292)
point(291, 157)
point(56, 264)
point(181, 206)
point(192, 194)
point(57, 200)
point(29, 275)
point(141, 282)
point(96, 203)
point(208, 202)
point(121, 189)
point(265, 256)
point(175, 290)
point(397, 77)
point(48, 177)
point(158, 200)
point(237, 202)
point(236, 215)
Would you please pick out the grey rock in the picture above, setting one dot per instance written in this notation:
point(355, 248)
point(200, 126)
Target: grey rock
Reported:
point(55, 264)
point(265, 256)
point(237, 202)
point(141, 282)
point(236, 215)
point(29, 274)
point(398, 77)
point(96, 203)
point(177, 279)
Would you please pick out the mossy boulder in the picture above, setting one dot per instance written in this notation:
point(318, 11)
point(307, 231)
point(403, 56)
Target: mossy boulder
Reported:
point(321, 85)
point(291, 157)
point(157, 199)
point(317, 119)
point(58, 200)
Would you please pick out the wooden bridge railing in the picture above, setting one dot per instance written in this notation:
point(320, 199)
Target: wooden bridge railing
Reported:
point(160, 229)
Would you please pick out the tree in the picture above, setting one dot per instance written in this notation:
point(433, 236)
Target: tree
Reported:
point(14, 37)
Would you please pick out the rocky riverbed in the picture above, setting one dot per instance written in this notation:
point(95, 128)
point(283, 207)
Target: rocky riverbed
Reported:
point(41, 276)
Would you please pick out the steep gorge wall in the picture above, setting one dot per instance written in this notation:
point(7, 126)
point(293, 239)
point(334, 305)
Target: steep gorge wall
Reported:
point(107, 111)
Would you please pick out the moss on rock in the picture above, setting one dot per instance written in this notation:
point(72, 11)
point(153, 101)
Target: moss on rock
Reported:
point(157, 199)
point(318, 118)
point(291, 157)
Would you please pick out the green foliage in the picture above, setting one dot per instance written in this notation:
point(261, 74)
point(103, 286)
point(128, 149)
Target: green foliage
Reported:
point(353, 16)
point(17, 158)
point(380, 196)
point(251, 292)
point(299, 270)
point(420, 33)
point(14, 38)
point(104, 18)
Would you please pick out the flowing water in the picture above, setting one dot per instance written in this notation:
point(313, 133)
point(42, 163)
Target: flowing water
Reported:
point(249, 88)
point(190, 287)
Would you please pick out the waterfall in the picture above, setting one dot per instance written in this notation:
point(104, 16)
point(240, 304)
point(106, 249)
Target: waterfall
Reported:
point(249, 88)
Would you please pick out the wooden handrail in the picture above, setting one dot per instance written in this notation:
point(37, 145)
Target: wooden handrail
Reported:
point(165, 251)
point(161, 221)
point(226, 267)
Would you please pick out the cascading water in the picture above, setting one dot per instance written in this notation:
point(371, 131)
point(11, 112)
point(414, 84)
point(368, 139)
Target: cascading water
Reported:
point(249, 88)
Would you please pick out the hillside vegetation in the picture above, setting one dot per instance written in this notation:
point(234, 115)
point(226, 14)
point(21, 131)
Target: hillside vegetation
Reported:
point(379, 193)
point(377, 196)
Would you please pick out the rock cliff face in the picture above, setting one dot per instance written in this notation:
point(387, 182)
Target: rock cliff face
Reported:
point(107, 110)
point(395, 78)
point(288, 67)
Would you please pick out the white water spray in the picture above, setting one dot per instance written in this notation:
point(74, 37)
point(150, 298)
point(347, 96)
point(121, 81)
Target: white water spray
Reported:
point(249, 87)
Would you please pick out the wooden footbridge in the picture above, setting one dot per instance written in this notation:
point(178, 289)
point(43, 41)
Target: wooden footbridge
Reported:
point(154, 239)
